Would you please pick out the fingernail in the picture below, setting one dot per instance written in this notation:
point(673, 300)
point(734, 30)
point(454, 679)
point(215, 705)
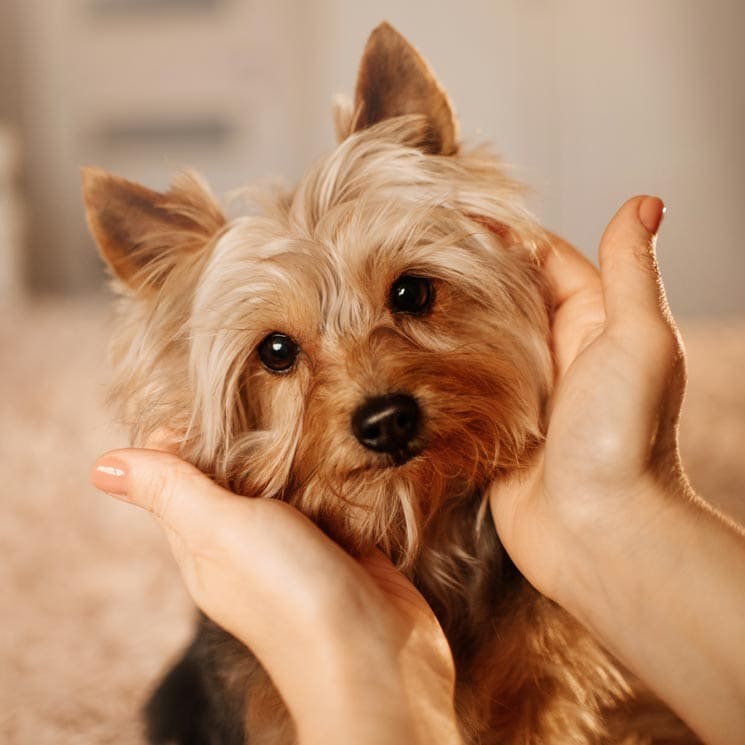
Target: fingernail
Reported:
point(651, 212)
point(110, 475)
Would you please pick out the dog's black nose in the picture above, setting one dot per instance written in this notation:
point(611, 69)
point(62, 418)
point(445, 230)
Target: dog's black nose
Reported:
point(388, 424)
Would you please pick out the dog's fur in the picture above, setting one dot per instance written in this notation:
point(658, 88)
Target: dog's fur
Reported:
point(398, 196)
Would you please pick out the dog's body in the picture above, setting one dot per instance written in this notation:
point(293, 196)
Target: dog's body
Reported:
point(373, 348)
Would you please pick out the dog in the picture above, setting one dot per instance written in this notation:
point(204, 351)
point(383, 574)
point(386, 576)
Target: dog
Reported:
point(372, 347)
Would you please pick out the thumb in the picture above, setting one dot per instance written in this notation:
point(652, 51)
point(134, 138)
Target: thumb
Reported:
point(637, 311)
point(176, 492)
point(632, 288)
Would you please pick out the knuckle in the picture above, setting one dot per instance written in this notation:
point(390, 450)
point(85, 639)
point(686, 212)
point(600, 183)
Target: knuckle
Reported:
point(156, 487)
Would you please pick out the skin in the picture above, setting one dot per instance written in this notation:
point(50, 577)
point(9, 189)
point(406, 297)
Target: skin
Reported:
point(377, 664)
point(605, 524)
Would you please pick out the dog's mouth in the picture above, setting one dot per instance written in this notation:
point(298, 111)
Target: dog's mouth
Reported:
point(389, 462)
point(402, 457)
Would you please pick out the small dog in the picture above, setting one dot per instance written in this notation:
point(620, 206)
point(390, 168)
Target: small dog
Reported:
point(372, 347)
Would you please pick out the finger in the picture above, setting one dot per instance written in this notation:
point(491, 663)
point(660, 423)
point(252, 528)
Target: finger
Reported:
point(632, 287)
point(174, 491)
point(506, 495)
point(517, 514)
point(578, 310)
point(637, 308)
point(568, 270)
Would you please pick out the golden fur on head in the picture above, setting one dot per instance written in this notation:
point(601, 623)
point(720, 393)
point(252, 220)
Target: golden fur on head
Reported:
point(317, 265)
point(396, 198)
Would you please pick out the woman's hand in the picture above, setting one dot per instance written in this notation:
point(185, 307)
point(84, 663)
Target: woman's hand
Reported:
point(354, 649)
point(605, 523)
point(613, 415)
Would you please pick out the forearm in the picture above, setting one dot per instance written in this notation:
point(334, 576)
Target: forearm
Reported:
point(652, 596)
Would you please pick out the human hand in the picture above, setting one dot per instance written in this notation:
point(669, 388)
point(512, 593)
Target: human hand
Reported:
point(352, 646)
point(605, 523)
point(612, 432)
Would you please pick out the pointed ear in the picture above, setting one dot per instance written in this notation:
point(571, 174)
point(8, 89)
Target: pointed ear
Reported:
point(140, 233)
point(394, 80)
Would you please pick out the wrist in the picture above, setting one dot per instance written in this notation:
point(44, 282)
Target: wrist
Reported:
point(352, 691)
point(618, 548)
point(370, 690)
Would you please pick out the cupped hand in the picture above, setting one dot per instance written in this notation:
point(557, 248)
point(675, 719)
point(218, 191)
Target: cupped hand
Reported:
point(612, 418)
point(352, 646)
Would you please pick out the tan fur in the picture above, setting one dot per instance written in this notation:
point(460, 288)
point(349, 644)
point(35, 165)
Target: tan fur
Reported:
point(141, 233)
point(317, 263)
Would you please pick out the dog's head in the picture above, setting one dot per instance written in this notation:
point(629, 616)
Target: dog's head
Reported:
point(370, 346)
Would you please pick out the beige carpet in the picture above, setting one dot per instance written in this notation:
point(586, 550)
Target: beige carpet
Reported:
point(90, 604)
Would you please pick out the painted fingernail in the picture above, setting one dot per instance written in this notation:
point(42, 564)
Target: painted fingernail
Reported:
point(651, 212)
point(110, 475)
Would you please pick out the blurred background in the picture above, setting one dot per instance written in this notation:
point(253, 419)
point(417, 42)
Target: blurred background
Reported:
point(590, 101)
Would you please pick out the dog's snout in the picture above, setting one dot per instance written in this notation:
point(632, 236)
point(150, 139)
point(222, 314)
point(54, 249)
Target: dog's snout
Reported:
point(388, 424)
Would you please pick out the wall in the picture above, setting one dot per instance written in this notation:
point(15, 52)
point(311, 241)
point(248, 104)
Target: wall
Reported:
point(592, 102)
point(595, 101)
point(650, 98)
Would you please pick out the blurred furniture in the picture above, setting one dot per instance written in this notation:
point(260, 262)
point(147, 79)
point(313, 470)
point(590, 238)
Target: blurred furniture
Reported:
point(144, 88)
point(594, 102)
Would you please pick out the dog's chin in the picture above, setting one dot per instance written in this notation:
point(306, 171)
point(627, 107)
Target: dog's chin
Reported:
point(382, 501)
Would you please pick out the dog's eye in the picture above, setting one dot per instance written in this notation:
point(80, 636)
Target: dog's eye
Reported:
point(278, 352)
point(411, 294)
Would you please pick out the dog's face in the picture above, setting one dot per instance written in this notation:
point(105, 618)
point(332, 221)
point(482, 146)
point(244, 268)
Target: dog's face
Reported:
point(370, 346)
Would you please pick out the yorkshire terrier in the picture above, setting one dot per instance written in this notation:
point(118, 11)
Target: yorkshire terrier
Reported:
point(372, 347)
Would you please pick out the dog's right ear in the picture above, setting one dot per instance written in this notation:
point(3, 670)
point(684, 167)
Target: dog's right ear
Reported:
point(142, 234)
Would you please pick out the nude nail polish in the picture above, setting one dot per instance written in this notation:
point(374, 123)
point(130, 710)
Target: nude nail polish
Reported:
point(110, 475)
point(651, 212)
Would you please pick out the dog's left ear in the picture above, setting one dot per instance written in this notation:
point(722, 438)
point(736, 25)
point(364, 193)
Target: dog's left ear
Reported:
point(394, 80)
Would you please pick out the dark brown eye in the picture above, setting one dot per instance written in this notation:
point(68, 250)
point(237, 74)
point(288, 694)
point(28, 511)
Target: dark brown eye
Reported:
point(411, 294)
point(278, 352)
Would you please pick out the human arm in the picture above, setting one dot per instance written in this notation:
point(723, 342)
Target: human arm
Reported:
point(606, 523)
